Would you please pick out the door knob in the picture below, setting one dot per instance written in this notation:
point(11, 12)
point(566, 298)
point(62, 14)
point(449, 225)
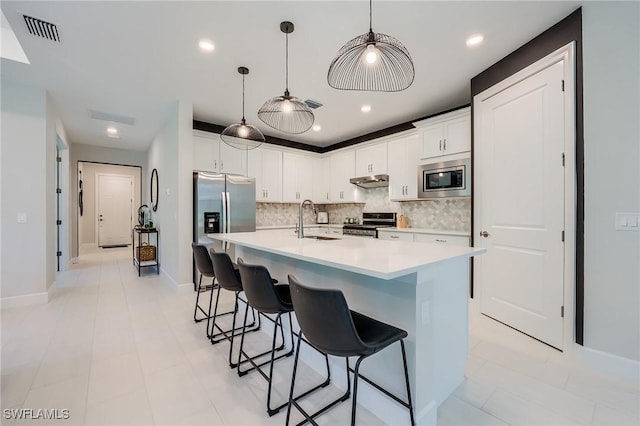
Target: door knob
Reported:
point(484, 234)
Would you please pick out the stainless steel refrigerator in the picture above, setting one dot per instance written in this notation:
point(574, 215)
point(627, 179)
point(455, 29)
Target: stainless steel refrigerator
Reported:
point(222, 204)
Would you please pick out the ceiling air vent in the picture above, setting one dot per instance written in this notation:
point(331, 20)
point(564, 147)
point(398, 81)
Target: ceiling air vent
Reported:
point(313, 104)
point(40, 28)
point(113, 118)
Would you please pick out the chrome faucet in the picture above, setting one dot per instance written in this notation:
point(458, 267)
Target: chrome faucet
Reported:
point(300, 221)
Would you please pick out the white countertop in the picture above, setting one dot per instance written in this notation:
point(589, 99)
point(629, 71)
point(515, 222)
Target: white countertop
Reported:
point(368, 256)
point(293, 226)
point(428, 231)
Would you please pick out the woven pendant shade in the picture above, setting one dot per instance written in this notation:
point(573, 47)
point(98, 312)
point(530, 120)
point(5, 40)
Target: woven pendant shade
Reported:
point(286, 113)
point(242, 135)
point(392, 72)
point(372, 62)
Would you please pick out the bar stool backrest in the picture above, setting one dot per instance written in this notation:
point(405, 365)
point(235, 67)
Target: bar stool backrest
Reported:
point(203, 261)
point(259, 289)
point(225, 272)
point(325, 319)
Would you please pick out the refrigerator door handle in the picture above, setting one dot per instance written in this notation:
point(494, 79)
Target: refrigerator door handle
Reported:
point(223, 229)
point(228, 212)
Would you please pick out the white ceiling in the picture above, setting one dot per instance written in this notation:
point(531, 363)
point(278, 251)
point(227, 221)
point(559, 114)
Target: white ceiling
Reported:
point(137, 58)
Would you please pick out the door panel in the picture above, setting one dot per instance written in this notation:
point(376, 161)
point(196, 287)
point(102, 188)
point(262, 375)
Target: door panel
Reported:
point(519, 147)
point(242, 203)
point(115, 198)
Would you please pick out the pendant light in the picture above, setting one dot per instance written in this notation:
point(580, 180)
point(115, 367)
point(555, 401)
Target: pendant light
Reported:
point(242, 135)
point(286, 113)
point(372, 62)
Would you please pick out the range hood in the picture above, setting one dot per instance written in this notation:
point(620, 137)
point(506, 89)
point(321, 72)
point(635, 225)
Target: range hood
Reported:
point(376, 181)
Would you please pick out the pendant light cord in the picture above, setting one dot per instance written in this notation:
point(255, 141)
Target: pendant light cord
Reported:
point(243, 120)
point(286, 55)
point(370, 18)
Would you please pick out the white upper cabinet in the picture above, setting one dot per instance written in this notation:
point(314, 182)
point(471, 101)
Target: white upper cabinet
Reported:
point(371, 160)
point(297, 177)
point(206, 153)
point(342, 167)
point(445, 134)
point(232, 160)
point(403, 168)
point(210, 154)
point(266, 166)
point(321, 182)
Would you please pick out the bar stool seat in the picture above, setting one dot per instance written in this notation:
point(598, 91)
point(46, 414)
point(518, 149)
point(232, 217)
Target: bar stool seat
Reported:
point(329, 325)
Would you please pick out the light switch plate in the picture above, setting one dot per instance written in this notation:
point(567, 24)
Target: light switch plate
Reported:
point(22, 218)
point(627, 222)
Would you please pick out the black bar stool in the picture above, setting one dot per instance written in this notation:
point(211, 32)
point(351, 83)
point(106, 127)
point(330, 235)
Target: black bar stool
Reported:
point(267, 298)
point(327, 322)
point(203, 263)
point(229, 279)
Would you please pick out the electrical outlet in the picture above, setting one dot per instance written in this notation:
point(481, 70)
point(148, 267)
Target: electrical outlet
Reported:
point(627, 222)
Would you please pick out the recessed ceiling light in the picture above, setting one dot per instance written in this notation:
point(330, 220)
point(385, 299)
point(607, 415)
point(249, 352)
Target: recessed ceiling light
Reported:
point(365, 108)
point(112, 130)
point(206, 45)
point(475, 40)
point(317, 127)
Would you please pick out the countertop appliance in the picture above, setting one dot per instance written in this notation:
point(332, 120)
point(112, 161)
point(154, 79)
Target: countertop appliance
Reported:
point(445, 179)
point(222, 203)
point(323, 217)
point(369, 225)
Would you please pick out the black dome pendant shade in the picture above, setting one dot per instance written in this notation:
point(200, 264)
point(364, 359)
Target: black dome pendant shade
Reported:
point(372, 62)
point(242, 135)
point(286, 113)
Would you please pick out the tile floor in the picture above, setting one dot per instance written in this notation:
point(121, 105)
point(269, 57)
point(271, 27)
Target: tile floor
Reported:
point(112, 348)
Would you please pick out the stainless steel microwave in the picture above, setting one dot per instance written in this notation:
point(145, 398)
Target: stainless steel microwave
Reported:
point(445, 179)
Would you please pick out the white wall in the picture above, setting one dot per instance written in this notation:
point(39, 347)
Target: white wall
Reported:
point(611, 40)
point(90, 153)
point(27, 163)
point(171, 154)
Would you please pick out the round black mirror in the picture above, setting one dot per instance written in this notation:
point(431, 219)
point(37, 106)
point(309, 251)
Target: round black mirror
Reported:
point(154, 189)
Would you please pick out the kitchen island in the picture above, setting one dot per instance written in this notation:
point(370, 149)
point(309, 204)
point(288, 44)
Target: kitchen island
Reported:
point(419, 287)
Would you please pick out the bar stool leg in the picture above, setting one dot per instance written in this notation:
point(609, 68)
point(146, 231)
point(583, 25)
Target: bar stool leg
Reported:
point(406, 379)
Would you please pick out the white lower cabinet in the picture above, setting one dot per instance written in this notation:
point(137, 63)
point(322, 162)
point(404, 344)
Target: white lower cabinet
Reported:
point(454, 240)
point(395, 236)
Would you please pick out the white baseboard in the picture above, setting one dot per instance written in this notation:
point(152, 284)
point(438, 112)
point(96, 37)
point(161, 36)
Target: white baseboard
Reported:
point(185, 288)
point(615, 365)
point(25, 300)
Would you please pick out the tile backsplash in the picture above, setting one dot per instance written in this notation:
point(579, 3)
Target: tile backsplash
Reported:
point(453, 214)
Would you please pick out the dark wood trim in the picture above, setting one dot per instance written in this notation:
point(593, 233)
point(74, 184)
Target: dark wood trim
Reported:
point(564, 32)
point(216, 128)
point(386, 131)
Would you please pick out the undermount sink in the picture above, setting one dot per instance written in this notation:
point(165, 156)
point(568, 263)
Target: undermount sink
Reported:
point(321, 237)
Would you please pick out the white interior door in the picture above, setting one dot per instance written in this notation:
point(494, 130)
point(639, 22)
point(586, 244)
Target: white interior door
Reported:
point(519, 188)
point(115, 200)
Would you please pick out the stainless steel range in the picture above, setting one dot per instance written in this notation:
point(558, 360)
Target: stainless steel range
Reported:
point(370, 222)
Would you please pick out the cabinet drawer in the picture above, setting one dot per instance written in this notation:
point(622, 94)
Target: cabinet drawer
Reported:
point(454, 240)
point(395, 236)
